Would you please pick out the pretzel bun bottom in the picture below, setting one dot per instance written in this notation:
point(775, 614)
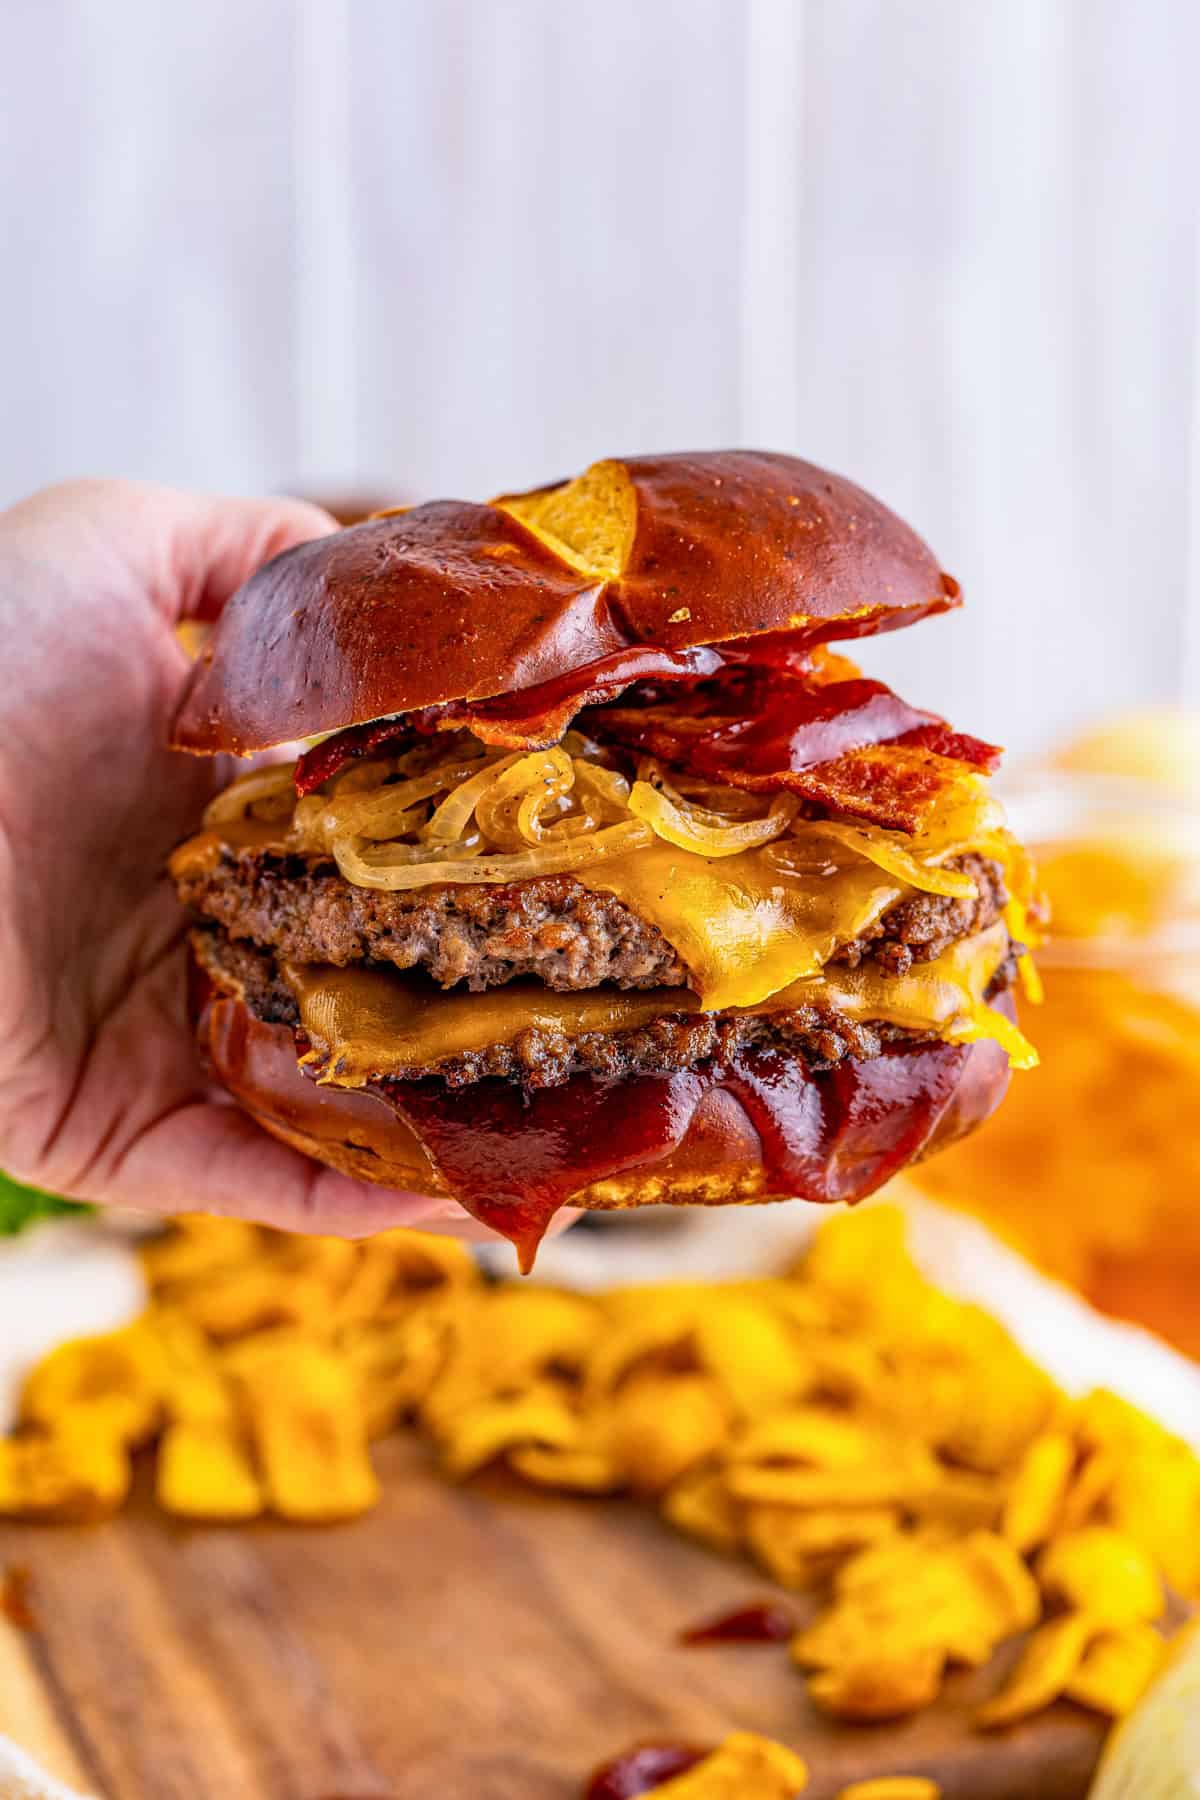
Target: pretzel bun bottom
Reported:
point(719, 1161)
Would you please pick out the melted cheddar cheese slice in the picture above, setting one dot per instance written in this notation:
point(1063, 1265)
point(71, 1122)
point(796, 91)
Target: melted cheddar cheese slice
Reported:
point(747, 926)
point(366, 1023)
point(744, 927)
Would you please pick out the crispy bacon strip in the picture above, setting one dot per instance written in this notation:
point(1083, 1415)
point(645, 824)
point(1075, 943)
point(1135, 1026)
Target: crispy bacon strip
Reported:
point(537, 717)
point(325, 759)
point(847, 746)
point(530, 719)
point(761, 729)
point(806, 723)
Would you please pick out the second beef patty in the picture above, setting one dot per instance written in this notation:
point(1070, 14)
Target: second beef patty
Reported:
point(538, 1058)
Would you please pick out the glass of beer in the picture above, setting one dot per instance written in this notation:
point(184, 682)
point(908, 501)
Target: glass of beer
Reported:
point(1091, 1166)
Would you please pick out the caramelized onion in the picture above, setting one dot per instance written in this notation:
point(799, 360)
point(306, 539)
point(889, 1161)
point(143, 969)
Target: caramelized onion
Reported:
point(605, 787)
point(357, 777)
point(452, 816)
point(701, 831)
point(451, 809)
point(509, 809)
point(235, 801)
point(882, 848)
point(383, 810)
point(386, 811)
point(407, 855)
point(387, 866)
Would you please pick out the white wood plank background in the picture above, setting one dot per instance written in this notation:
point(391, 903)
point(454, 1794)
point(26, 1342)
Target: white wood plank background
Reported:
point(950, 247)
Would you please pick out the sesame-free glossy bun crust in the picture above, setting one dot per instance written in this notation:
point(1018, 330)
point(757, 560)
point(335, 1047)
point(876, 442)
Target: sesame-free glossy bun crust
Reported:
point(454, 601)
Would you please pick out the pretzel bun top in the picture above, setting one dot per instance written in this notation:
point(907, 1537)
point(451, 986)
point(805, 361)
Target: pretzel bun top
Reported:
point(454, 601)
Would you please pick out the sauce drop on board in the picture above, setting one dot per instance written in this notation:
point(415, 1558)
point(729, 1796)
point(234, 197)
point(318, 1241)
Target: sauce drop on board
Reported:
point(16, 1605)
point(641, 1770)
point(762, 1622)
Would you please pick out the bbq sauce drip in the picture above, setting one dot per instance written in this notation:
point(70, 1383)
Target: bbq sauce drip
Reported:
point(759, 1623)
point(513, 1159)
point(641, 1770)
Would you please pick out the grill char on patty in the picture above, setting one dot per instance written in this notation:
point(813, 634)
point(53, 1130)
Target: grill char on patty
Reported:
point(539, 1058)
point(551, 927)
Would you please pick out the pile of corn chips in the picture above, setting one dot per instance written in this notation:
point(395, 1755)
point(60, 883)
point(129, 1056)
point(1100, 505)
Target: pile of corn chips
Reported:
point(849, 1427)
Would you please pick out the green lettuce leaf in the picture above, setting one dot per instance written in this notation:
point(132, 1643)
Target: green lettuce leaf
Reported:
point(21, 1205)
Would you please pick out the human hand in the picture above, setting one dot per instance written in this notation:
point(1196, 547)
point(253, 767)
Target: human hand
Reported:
point(102, 1096)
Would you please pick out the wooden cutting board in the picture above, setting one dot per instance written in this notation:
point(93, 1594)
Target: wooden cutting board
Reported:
point(475, 1643)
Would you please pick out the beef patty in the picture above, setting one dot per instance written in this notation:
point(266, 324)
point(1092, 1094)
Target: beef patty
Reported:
point(551, 927)
point(540, 1058)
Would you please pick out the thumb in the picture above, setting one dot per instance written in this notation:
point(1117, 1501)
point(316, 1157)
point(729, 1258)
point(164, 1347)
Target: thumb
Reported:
point(136, 541)
point(216, 544)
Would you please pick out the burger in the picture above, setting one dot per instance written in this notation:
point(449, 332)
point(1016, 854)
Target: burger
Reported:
point(600, 877)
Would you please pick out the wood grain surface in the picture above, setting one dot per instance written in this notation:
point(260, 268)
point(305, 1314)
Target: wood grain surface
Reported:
point(475, 1643)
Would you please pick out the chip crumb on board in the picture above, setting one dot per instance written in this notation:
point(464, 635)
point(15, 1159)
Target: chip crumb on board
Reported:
point(892, 1787)
point(854, 1431)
